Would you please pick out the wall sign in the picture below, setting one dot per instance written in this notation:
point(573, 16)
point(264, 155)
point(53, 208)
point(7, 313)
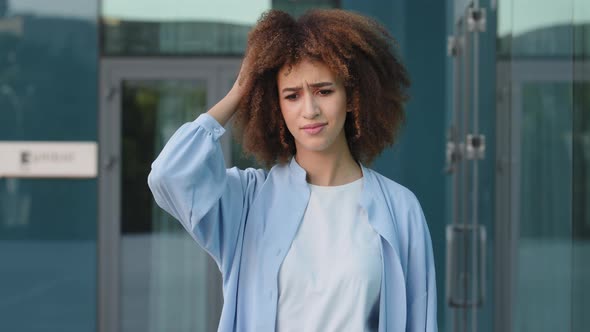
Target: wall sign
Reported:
point(48, 159)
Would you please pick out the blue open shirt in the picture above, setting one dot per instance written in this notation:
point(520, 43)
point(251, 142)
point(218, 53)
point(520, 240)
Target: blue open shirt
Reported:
point(247, 219)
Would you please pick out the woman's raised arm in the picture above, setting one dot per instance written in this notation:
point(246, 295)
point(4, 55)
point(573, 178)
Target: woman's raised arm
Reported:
point(190, 181)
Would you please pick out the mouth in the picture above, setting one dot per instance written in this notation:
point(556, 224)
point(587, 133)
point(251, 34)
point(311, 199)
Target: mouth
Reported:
point(313, 128)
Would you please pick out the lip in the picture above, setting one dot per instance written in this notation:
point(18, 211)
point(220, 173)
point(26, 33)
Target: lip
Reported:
point(313, 128)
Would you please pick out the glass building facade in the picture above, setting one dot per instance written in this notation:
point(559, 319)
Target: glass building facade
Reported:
point(495, 147)
point(48, 238)
point(542, 80)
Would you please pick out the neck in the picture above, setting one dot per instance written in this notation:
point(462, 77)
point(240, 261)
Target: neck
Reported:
point(329, 168)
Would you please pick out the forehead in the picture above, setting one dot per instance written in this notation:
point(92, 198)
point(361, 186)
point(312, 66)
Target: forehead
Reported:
point(305, 71)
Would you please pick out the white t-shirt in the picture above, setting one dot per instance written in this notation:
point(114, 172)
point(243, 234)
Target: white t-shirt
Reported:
point(330, 279)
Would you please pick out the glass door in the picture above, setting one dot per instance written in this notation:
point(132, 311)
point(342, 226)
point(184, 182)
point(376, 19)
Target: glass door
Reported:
point(153, 275)
point(543, 89)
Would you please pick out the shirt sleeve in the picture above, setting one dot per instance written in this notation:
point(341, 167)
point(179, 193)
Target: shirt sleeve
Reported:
point(189, 180)
point(421, 276)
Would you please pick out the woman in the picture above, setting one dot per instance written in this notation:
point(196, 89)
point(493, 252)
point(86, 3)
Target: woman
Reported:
point(319, 242)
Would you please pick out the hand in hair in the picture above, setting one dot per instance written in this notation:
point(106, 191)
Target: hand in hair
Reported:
point(226, 107)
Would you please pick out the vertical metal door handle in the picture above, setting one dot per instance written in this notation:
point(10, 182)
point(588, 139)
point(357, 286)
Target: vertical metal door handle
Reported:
point(457, 274)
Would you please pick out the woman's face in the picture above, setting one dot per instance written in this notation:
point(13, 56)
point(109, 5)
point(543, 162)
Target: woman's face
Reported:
point(313, 104)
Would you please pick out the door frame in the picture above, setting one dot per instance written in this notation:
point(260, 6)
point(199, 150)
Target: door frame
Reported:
point(219, 73)
point(466, 272)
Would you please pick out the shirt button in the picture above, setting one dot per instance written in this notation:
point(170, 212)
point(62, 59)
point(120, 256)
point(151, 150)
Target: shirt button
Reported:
point(279, 252)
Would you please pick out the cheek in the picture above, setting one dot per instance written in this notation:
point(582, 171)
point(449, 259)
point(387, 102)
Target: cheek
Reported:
point(287, 114)
point(282, 109)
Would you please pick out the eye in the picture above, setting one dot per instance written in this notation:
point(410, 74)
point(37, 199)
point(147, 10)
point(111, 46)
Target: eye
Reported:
point(325, 92)
point(293, 96)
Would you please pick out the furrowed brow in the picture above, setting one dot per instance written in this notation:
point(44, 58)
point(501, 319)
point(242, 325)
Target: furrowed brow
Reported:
point(321, 84)
point(293, 89)
point(314, 85)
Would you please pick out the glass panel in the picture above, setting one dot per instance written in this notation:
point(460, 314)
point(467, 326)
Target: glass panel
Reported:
point(545, 55)
point(164, 274)
point(546, 160)
point(48, 75)
point(181, 27)
point(581, 168)
point(48, 255)
point(299, 7)
point(581, 206)
point(546, 34)
point(153, 27)
point(543, 291)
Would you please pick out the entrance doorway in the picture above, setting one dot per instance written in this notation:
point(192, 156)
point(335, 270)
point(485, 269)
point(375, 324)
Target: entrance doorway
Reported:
point(152, 274)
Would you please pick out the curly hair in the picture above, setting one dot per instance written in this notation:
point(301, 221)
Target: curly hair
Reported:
point(356, 48)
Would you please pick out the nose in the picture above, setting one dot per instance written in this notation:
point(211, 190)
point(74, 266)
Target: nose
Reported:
point(310, 107)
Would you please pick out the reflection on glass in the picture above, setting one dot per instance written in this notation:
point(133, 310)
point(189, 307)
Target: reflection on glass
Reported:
point(546, 135)
point(48, 76)
point(544, 290)
point(581, 20)
point(164, 274)
point(229, 11)
point(297, 8)
point(173, 38)
point(581, 167)
point(551, 125)
point(581, 206)
point(178, 27)
point(66, 9)
point(182, 27)
point(548, 33)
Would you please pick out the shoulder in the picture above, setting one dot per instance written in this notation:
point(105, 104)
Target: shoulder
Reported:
point(279, 170)
point(249, 173)
point(400, 196)
point(257, 178)
point(249, 178)
point(404, 208)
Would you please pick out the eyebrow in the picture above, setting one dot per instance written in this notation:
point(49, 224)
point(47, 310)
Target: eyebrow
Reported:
point(314, 85)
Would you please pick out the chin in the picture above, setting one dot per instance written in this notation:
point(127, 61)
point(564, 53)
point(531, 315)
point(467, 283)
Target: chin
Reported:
point(317, 147)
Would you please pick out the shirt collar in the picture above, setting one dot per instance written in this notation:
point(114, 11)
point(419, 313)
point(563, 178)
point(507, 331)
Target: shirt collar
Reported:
point(300, 176)
point(377, 209)
point(297, 172)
